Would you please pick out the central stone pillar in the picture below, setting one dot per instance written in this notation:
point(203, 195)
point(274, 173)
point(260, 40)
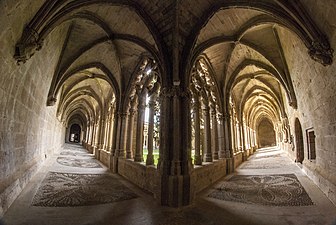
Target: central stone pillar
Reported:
point(175, 147)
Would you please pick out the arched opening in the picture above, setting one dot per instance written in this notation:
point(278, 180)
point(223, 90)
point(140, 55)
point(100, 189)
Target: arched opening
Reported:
point(266, 134)
point(75, 133)
point(299, 141)
point(205, 114)
point(143, 126)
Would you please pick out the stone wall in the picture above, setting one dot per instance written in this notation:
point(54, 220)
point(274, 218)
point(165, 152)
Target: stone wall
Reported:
point(29, 130)
point(105, 157)
point(146, 177)
point(315, 88)
point(204, 176)
point(266, 134)
point(237, 159)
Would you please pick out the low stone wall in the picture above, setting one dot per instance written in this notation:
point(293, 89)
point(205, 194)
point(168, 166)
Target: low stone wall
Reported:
point(238, 159)
point(206, 175)
point(17, 183)
point(326, 182)
point(104, 157)
point(145, 177)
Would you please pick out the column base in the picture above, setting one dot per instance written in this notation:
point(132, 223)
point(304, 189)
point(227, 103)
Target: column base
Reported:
point(198, 160)
point(121, 153)
point(97, 153)
point(208, 157)
point(175, 190)
point(150, 160)
point(215, 156)
point(222, 154)
point(128, 154)
point(229, 165)
point(138, 158)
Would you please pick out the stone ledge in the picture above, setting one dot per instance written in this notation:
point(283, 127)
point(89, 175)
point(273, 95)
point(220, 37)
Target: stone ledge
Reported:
point(145, 177)
point(204, 176)
point(322, 180)
point(11, 192)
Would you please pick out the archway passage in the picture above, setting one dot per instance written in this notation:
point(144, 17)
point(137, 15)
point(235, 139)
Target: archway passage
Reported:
point(266, 134)
point(299, 141)
point(75, 133)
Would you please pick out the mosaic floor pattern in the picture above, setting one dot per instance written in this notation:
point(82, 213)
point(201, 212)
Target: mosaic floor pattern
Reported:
point(83, 163)
point(265, 164)
point(75, 153)
point(271, 190)
point(68, 189)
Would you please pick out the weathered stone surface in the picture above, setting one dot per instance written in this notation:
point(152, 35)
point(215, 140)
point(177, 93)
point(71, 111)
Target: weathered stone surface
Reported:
point(69, 189)
point(271, 190)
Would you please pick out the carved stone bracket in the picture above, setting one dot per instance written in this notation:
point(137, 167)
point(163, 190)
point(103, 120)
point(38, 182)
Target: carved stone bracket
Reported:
point(51, 100)
point(175, 91)
point(27, 46)
point(321, 52)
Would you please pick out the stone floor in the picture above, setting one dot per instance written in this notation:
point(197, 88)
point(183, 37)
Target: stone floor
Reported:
point(75, 189)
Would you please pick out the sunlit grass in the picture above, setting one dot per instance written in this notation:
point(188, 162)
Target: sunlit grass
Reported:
point(155, 154)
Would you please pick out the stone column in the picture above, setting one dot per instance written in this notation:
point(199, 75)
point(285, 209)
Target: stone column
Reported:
point(227, 134)
point(96, 138)
point(91, 134)
point(116, 128)
point(139, 129)
point(175, 147)
point(221, 137)
point(237, 136)
point(129, 139)
point(122, 133)
point(87, 132)
point(207, 134)
point(151, 105)
point(214, 134)
point(234, 134)
point(198, 158)
point(242, 136)
point(110, 133)
point(242, 140)
point(102, 134)
point(106, 133)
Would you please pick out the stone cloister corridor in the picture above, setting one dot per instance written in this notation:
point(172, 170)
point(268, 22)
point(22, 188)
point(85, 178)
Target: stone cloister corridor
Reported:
point(167, 112)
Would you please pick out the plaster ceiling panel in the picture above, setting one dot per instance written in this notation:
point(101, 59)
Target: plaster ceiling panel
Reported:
point(129, 57)
point(122, 20)
point(265, 41)
point(226, 22)
point(82, 34)
point(218, 55)
point(190, 13)
point(103, 53)
point(241, 53)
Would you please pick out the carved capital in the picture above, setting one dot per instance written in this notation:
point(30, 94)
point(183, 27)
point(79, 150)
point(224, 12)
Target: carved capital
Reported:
point(321, 52)
point(175, 91)
point(51, 100)
point(27, 46)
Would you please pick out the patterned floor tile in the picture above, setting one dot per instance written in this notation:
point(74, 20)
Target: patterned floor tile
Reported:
point(271, 190)
point(68, 189)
